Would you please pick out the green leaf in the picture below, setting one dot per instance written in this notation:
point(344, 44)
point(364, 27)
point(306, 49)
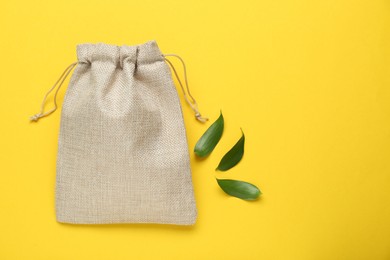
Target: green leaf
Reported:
point(210, 138)
point(234, 156)
point(240, 189)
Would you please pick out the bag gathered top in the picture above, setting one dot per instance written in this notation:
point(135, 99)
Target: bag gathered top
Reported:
point(122, 146)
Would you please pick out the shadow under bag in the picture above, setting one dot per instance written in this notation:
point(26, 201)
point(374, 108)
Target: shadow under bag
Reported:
point(122, 148)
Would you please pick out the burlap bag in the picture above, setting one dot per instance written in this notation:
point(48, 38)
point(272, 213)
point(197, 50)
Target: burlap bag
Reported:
point(122, 148)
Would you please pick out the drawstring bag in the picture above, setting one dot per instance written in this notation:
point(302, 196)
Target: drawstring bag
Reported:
point(122, 147)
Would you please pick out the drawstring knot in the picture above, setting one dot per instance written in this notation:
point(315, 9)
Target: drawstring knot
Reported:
point(35, 117)
point(193, 104)
point(200, 118)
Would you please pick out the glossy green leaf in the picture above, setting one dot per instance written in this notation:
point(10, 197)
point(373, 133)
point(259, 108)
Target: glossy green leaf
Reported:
point(234, 156)
point(210, 138)
point(240, 189)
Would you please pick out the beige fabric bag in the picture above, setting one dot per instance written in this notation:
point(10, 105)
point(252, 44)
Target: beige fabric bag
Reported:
point(122, 151)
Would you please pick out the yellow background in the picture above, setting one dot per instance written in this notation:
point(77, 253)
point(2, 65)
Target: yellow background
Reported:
point(308, 81)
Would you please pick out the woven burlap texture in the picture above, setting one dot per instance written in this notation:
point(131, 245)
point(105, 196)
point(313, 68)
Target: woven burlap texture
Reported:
point(122, 151)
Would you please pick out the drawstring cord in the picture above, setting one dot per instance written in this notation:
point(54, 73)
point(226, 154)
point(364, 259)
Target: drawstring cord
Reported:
point(61, 80)
point(67, 71)
point(192, 104)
